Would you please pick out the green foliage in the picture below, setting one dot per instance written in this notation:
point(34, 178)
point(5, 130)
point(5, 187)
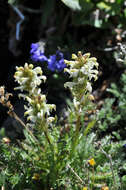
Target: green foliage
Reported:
point(55, 153)
point(64, 153)
point(107, 117)
point(95, 13)
point(124, 181)
point(43, 157)
point(73, 4)
point(111, 117)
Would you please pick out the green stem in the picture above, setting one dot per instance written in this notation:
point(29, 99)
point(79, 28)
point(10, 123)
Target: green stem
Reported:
point(47, 135)
point(76, 136)
point(92, 184)
point(50, 141)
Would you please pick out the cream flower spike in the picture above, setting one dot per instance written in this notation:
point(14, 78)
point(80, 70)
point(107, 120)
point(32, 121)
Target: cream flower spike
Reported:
point(82, 69)
point(29, 78)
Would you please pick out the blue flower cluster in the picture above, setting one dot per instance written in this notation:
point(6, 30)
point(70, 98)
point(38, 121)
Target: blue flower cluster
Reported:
point(55, 62)
point(37, 52)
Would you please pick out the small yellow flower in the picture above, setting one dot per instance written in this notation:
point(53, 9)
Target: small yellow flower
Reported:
point(36, 176)
point(105, 188)
point(91, 162)
point(85, 188)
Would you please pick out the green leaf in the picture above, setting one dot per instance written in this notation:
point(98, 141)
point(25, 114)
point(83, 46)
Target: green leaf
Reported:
point(124, 167)
point(2, 178)
point(116, 135)
point(14, 180)
point(29, 137)
point(24, 155)
point(2, 133)
point(72, 4)
point(124, 181)
point(120, 1)
point(89, 127)
point(98, 23)
point(83, 16)
point(103, 5)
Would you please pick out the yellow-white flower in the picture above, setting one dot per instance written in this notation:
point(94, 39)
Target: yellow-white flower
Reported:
point(82, 70)
point(29, 78)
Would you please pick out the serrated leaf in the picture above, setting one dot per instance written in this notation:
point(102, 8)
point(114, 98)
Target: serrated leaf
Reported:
point(72, 4)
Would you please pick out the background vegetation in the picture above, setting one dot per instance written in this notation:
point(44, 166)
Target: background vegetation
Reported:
point(95, 26)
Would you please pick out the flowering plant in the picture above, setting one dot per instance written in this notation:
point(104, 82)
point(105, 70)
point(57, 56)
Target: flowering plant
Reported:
point(53, 155)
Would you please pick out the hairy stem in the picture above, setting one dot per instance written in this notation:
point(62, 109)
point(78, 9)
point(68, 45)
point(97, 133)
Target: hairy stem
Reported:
point(76, 136)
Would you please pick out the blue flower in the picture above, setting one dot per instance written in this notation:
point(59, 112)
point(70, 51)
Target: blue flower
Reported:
point(56, 62)
point(37, 52)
